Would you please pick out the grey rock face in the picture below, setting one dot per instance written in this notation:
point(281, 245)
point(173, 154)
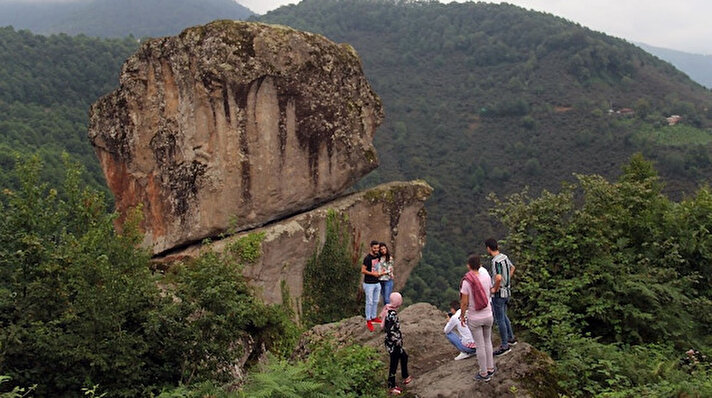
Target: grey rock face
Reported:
point(232, 125)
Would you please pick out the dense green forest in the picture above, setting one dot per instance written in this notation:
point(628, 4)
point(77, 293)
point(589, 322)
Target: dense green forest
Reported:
point(46, 87)
point(484, 98)
point(116, 18)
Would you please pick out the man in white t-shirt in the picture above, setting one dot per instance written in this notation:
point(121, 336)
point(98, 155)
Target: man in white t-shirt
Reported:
point(458, 334)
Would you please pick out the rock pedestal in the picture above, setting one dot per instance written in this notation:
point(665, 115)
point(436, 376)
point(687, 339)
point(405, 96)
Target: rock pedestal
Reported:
point(393, 213)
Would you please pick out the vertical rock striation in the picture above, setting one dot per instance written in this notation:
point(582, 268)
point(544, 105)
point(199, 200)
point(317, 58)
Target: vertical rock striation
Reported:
point(232, 125)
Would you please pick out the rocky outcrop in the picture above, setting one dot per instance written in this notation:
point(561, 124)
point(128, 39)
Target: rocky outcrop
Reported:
point(392, 213)
point(524, 372)
point(232, 125)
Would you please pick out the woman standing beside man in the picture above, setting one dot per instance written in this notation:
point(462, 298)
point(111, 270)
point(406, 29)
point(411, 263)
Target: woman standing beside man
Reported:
point(385, 266)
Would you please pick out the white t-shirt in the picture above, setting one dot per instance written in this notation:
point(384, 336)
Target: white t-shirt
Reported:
point(463, 331)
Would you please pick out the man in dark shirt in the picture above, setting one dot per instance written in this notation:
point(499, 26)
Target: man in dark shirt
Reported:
point(371, 285)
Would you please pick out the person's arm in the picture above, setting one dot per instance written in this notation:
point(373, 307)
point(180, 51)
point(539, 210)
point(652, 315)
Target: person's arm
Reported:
point(451, 323)
point(464, 301)
point(389, 325)
point(497, 282)
point(367, 272)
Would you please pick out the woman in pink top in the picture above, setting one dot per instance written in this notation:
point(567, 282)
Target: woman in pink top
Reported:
point(477, 312)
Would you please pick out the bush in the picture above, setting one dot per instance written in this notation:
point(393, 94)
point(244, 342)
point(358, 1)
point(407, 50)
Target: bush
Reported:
point(352, 371)
point(613, 279)
point(75, 297)
point(331, 276)
point(608, 370)
point(16, 392)
point(79, 307)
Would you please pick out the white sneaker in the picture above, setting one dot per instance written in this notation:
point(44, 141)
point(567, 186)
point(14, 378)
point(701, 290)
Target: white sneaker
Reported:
point(463, 355)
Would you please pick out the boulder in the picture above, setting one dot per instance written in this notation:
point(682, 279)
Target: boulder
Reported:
point(393, 213)
point(232, 125)
point(524, 372)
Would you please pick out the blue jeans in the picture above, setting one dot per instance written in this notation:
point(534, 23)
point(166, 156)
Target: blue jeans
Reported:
point(455, 340)
point(373, 291)
point(386, 289)
point(499, 307)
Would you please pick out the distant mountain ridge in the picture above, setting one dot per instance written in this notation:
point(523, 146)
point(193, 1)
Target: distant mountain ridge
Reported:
point(697, 66)
point(117, 18)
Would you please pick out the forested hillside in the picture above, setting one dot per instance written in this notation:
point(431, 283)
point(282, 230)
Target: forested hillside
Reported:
point(46, 87)
point(484, 98)
point(479, 98)
point(116, 18)
point(613, 277)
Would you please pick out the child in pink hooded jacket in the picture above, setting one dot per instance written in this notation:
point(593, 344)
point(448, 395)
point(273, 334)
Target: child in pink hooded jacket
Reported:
point(394, 343)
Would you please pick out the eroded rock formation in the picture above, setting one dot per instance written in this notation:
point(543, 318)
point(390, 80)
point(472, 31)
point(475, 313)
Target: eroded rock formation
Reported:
point(232, 125)
point(392, 213)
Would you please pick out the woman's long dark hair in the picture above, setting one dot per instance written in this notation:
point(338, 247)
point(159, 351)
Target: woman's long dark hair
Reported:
point(388, 251)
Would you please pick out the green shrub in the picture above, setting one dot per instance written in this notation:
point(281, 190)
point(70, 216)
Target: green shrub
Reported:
point(16, 392)
point(352, 371)
point(75, 297)
point(331, 276)
point(591, 368)
point(613, 279)
point(79, 306)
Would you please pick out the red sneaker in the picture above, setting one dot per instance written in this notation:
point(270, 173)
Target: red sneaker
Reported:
point(376, 320)
point(369, 325)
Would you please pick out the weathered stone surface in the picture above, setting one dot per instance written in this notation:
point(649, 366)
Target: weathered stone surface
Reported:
point(392, 213)
point(524, 372)
point(233, 124)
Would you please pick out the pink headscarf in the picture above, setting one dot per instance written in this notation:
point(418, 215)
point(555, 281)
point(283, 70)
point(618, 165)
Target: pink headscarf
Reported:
point(395, 301)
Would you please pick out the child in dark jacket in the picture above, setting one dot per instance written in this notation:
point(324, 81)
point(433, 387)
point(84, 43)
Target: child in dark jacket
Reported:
point(394, 343)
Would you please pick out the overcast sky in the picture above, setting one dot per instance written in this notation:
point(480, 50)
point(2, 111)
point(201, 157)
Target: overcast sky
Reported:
point(684, 25)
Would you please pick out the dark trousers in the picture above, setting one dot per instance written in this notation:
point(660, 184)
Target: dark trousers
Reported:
point(397, 354)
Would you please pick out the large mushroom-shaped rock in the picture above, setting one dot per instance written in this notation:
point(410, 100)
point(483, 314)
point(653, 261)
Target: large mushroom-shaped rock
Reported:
point(231, 125)
point(392, 212)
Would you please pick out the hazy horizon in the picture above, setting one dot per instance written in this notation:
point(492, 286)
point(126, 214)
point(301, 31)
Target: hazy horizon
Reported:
point(681, 26)
point(685, 23)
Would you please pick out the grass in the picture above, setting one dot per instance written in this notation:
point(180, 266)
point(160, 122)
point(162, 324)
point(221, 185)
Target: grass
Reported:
point(678, 135)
